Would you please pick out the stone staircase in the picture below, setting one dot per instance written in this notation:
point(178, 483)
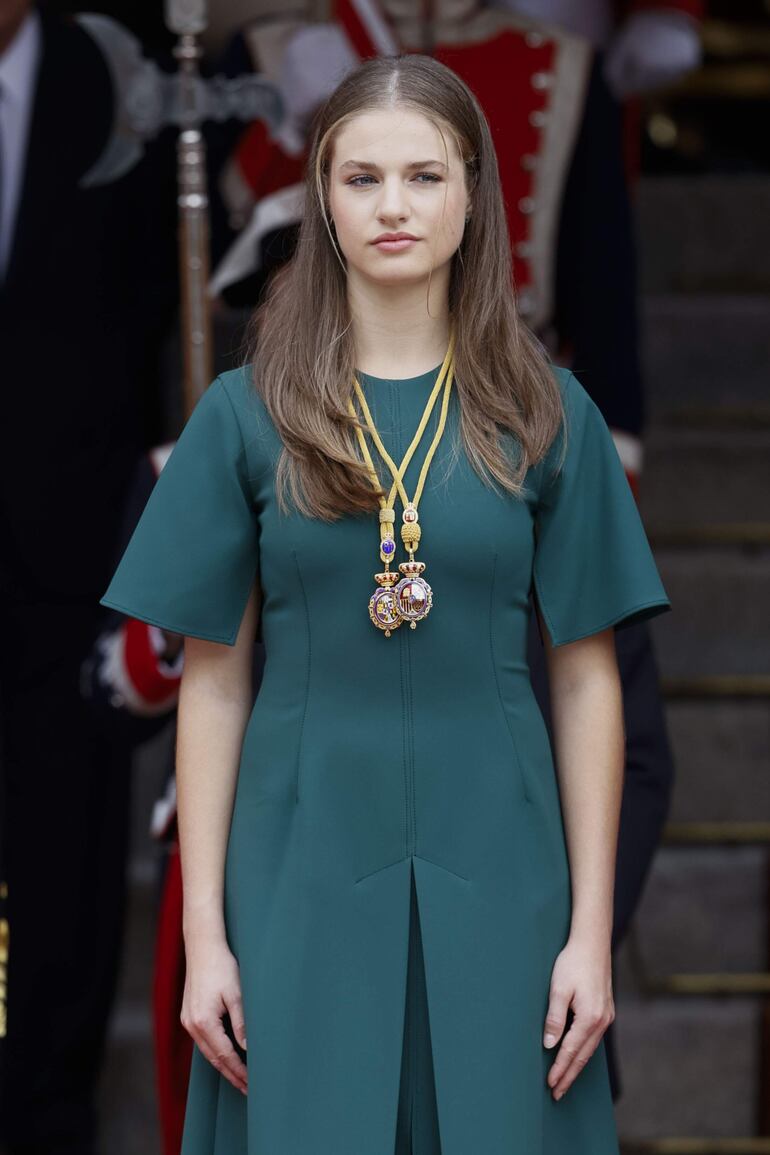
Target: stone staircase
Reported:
point(692, 980)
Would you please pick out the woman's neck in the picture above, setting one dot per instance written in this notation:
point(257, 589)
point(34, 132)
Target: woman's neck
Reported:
point(394, 336)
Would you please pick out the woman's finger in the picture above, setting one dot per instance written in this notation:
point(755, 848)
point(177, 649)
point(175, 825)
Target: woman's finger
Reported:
point(578, 1063)
point(578, 1054)
point(220, 1052)
point(556, 1018)
point(234, 1005)
point(571, 1046)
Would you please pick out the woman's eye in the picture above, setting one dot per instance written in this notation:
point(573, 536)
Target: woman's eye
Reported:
point(432, 177)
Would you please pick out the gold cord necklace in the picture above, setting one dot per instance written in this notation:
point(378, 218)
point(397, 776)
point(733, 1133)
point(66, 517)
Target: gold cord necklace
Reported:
point(408, 598)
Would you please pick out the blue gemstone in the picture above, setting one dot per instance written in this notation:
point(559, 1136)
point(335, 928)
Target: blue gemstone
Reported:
point(388, 546)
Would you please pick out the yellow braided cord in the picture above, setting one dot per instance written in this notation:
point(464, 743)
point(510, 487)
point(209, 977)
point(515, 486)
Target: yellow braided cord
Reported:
point(436, 439)
point(368, 458)
point(447, 369)
point(396, 471)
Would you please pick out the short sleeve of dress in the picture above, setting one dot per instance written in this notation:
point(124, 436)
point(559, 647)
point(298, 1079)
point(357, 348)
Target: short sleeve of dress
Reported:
point(593, 566)
point(194, 555)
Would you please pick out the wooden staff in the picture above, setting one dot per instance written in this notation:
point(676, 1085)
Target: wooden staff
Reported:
point(188, 20)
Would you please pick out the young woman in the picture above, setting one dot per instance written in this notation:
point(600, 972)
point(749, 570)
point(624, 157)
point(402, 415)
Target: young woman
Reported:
point(397, 897)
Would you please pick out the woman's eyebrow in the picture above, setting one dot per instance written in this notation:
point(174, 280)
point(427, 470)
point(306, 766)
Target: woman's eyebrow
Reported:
point(365, 164)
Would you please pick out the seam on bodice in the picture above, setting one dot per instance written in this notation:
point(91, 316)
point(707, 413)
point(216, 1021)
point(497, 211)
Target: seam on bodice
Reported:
point(308, 662)
point(500, 698)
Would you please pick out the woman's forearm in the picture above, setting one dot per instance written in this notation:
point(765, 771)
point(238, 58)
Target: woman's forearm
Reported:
point(590, 753)
point(212, 719)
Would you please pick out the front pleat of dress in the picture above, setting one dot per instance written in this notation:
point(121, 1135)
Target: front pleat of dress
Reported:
point(417, 1128)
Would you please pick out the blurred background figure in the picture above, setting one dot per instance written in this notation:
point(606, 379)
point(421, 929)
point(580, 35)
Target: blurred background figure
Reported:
point(87, 291)
point(637, 47)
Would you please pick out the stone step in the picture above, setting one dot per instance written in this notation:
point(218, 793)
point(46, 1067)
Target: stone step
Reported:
point(704, 910)
point(720, 751)
point(127, 1098)
point(700, 349)
point(717, 687)
point(693, 477)
point(703, 234)
point(744, 535)
point(725, 417)
point(747, 832)
point(697, 1145)
point(709, 984)
point(718, 623)
point(689, 1066)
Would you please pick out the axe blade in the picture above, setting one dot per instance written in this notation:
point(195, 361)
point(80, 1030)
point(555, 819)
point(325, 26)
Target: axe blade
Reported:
point(122, 53)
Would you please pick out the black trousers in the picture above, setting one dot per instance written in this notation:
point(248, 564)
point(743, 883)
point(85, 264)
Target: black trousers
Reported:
point(65, 846)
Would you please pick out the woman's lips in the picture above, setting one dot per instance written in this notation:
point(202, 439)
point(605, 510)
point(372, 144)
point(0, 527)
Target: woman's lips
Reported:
point(395, 246)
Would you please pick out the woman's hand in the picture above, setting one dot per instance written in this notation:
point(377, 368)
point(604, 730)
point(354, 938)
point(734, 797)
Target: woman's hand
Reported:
point(213, 987)
point(581, 979)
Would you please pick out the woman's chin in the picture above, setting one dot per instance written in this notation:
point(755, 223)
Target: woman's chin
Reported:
point(393, 274)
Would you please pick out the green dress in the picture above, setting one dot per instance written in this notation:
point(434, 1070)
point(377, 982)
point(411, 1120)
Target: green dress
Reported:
point(371, 765)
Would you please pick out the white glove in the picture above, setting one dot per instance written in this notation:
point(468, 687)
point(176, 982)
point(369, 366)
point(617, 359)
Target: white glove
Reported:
point(315, 60)
point(652, 49)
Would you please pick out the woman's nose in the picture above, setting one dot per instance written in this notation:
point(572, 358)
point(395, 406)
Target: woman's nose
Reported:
point(393, 200)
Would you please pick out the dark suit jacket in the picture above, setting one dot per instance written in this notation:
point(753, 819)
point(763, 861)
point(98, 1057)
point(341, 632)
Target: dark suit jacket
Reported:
point(89, 292)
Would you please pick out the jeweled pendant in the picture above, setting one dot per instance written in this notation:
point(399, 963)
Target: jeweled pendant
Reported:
point(387, 549)
point(414, 596)
point(383, 604)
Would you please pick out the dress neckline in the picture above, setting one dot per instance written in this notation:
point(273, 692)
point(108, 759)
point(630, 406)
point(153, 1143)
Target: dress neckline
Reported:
point(399, 380)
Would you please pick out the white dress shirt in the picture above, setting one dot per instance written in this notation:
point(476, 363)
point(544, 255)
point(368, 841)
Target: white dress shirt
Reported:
point(18, 78)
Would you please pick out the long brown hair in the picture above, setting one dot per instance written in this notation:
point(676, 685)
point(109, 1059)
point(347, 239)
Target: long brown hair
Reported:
point(300, 343)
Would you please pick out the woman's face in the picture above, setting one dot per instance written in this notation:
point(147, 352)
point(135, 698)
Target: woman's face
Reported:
point(388, 174)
